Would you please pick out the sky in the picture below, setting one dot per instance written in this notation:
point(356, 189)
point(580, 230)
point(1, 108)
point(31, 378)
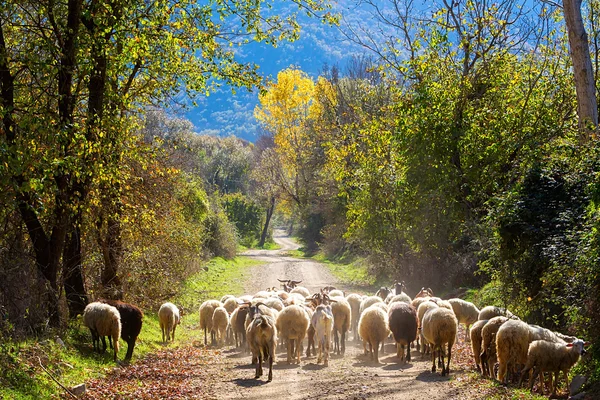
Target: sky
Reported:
point(224, 114)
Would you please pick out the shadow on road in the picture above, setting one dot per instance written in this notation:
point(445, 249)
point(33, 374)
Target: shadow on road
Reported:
point(428, 376)
point(249, 382)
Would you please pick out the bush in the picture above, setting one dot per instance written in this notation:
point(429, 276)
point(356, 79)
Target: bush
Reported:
point(245, 214)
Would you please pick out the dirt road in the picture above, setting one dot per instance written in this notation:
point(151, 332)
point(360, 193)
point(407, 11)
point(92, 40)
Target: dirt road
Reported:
point(227, 373)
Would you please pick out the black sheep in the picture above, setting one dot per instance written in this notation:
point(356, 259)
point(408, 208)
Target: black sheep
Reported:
point(403, 324)
point(131, 323)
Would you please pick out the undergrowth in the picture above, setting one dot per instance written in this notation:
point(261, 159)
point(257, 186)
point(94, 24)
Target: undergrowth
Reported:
point(68, 355)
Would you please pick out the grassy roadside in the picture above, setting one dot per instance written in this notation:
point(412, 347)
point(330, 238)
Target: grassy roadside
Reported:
point(70, 358)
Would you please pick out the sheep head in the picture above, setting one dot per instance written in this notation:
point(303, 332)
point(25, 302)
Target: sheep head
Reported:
point(383, 292)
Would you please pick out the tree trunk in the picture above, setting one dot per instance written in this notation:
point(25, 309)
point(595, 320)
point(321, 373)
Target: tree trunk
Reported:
point(73, 272)
point(263, 236)
point(109, 239)
point(587, 108)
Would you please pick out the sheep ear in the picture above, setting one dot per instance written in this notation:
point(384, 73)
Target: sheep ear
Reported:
point(586, 343)
point(569, 344)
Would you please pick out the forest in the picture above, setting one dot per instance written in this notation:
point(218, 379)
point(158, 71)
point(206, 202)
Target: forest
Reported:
point(460, 152)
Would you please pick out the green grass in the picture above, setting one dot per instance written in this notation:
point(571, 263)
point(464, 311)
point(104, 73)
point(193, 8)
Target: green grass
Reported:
point(21, 377)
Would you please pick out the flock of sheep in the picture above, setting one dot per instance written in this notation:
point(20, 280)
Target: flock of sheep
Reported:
point(430, 324)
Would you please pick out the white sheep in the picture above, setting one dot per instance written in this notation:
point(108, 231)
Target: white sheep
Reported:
point(402, 297)
point(261, 334)
point(368, 302)
point(354, 300)
point(301, 290)
point(373, 329)
point(322, 322)
point(292, 324)
point(238, 324)
point(476, 341)
point(512, 343)
point(488, 354)
point(231, 304)
point(342, 317)
point(263, 294)
point(466, 313)
point(103, 320)
point(220, 322)
point(168, 318)
point(274, 303)
point(294, 298)
point(490, 312)
point(552, 357)
point(421, 341)
point(439, 327)
point(336, 293)
point(227, 297)
point(206, 312)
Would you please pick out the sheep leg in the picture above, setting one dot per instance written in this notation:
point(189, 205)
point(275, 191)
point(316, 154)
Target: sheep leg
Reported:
point(383, 346)
point(259, 371)
point(376, 352)
point(336, 344)
point(407, 359)
point(205, 337)
point(442, 360)
point(365, 347)
point(271, 353)
point(103, 344)
point(289, 351)
point(326, 345)
point(449, 358)
point(399, 351)
point(343, 342)
point(433, 360)
point(110, 342)
point(173, 334)
point(130, 346)
point(532, 379)
point(566, 380)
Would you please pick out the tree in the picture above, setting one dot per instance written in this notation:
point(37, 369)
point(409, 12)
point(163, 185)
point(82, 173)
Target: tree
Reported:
point(583, 72)
point(66, 66)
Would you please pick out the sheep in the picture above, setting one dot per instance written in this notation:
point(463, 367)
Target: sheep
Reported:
point(476, 340)
point(402, 297)
point(342, 317)
point(336, 293)
point(231, 304)
point(442, 303)
point(322, 322)
point(466, 313)
point(288, 284)
point(552, 357)
point(263, 294)
point(206, 312)
point(440, 326)
point(283, 295)
point(294, 298)
point(417, 301)
point(512, 343)
point(261, 335)
point(238, 324)
point(131, 323)
point(274, 303)
point(373, 329)
point(490, 312)
point(310, 332)
point(292, 324)
point(403, 323)
point(227, 297)
point(354, 300)
point(301, 290)
point(383, 292)
point(103, 320)
point(423, 308)
point(245, 298)
point(168, 318)
point(220, 322)
point(488, 354)
point(367, 302)
point(425, 293)
point(399, 287)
